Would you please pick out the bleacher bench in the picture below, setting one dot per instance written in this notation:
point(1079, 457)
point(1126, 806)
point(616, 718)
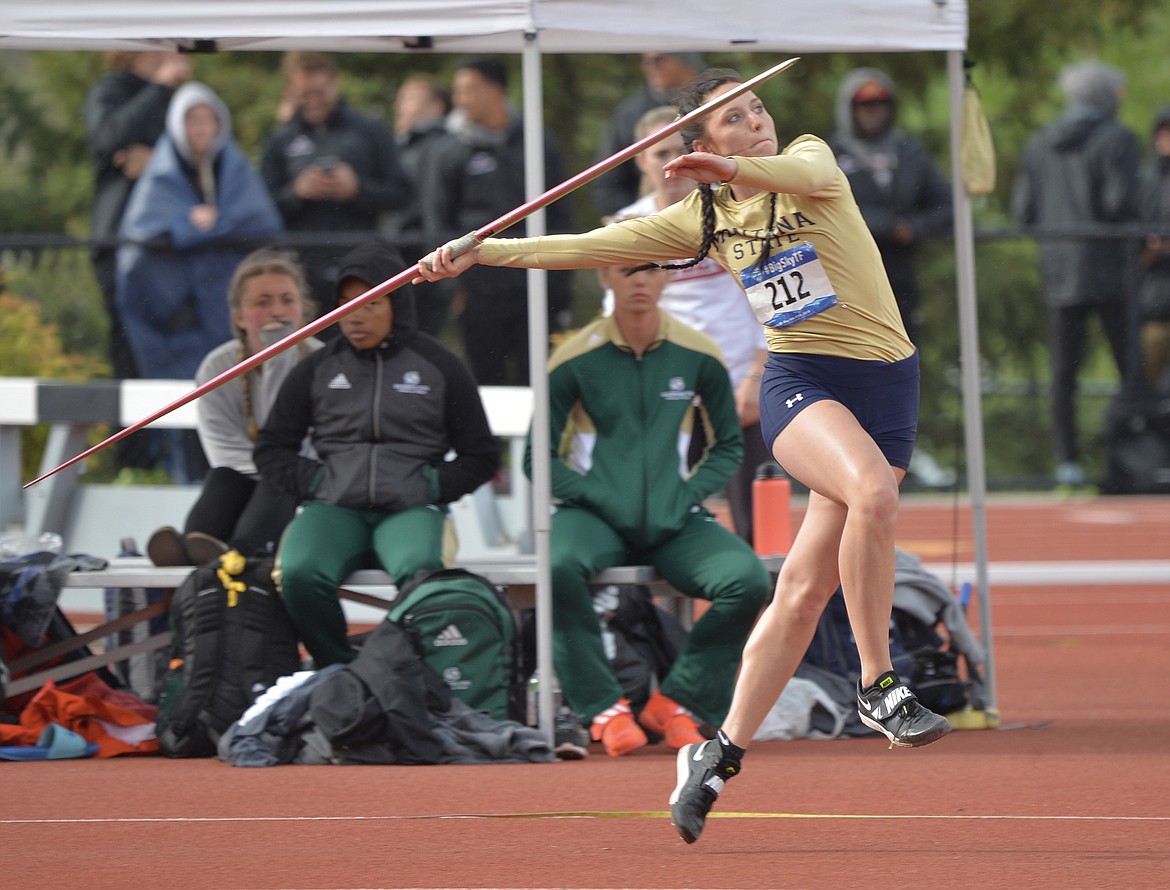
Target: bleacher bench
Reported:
point(517, 574)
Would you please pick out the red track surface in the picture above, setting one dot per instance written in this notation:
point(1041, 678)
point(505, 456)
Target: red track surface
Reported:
point(1070, 792)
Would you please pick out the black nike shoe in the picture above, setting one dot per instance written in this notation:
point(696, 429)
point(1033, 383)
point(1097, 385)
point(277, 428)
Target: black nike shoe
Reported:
point(892, 709)
point(701, 775)
point(570, 737)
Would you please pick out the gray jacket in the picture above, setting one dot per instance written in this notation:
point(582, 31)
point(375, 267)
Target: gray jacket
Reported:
point(1082, 169)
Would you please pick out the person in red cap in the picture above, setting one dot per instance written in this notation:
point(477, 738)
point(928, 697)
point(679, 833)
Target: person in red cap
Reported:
point(902, 194)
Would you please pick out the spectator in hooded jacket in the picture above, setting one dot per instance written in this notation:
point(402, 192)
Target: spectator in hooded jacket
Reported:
point(1154, 287)
point(900, 191)
point(329, 168)
point(383, 405)
point(196, 211)
point(1083, 169)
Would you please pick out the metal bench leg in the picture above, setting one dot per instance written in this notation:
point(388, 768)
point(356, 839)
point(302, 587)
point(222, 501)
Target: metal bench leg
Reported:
point(47, 503)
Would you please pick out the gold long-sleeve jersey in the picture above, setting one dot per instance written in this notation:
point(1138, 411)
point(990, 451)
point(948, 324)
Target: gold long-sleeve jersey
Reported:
point(814, 204)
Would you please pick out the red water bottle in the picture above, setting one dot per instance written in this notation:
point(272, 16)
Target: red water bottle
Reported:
point(771, 511)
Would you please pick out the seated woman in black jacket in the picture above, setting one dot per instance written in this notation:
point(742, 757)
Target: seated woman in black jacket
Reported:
point(383, 405)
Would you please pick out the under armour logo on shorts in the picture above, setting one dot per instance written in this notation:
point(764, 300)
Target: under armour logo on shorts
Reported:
point(799, 397)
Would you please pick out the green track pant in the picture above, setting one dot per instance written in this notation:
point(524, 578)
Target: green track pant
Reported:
point(703, 560)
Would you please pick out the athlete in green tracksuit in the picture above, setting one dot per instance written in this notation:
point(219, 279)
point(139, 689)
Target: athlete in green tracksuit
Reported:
point(621, 393)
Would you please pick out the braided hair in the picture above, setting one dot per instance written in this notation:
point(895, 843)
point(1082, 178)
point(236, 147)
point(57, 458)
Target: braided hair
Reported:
point(265, 261)
point(691, 97)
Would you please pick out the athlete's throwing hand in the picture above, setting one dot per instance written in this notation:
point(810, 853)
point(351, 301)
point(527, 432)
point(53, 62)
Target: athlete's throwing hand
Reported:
point(702, 167)
point(440, 264)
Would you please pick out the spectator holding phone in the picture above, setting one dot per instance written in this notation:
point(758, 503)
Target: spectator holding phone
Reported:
point(329, 168)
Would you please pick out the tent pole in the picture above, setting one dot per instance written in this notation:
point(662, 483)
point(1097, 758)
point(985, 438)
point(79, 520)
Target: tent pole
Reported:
point(534, 185)
point(969, 365)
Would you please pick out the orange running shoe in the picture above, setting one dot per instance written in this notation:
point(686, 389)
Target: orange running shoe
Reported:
point(617, 730)
point(665, 717)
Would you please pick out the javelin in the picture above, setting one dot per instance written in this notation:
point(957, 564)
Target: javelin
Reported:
point(459, 246)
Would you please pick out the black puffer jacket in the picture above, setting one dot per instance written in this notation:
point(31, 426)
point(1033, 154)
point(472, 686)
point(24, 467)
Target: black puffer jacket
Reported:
point(360, 141)
point(381, 420)
point(1154, 289)
point(121, 110)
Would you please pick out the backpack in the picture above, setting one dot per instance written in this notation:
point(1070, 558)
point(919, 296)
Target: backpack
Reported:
point(833, 647)
point(641, 640)
point(1137, 433)
point(464, 627)
point(231, 640)
point(832, 662)
point(934, 674)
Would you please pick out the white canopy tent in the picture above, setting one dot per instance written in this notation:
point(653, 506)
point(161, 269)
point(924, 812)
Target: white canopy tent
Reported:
point(532, 27)
point(487, 25)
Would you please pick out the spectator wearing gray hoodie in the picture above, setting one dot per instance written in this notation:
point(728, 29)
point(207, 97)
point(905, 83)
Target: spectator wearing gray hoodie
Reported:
point(1081, 170)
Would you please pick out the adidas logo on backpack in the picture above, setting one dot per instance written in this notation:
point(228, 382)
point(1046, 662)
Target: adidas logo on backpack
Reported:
point(450, 636)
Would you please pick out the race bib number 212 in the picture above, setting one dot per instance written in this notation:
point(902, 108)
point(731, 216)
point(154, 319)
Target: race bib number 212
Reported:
point(788, 287)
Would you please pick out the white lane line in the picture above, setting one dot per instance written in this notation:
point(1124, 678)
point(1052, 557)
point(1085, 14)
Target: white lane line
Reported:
point(1032, 574)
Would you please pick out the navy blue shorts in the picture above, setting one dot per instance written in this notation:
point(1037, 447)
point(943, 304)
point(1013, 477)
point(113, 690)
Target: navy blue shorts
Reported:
point(883, 396)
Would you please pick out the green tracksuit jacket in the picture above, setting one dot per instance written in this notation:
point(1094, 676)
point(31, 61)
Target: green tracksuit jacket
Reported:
point(621, 426)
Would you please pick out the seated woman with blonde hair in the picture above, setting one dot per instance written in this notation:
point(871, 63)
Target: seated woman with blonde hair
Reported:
point(267, 300)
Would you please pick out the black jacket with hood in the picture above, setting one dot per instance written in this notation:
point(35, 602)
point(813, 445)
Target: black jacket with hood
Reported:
point(892, 178)
point(121, 110)
point(1154, 291)
point(381, 420)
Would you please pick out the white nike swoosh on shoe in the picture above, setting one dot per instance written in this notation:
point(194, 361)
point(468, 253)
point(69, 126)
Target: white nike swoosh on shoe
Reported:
point(698, 755)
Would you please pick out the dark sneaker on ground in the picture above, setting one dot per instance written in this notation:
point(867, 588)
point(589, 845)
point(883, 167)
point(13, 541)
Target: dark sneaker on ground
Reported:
point(570, 736)
point(701, 775)
point(891, 708)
